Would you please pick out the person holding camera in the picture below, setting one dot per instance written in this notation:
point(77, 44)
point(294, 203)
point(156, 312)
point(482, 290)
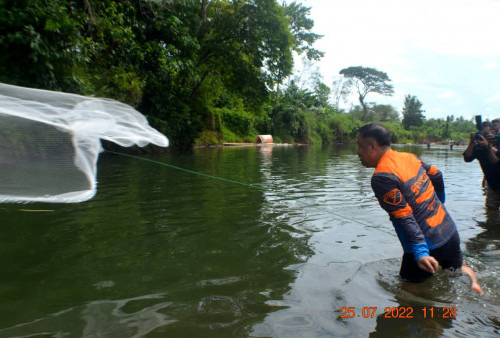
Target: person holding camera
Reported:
point(483, 147)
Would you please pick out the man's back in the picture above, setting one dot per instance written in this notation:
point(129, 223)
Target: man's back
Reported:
point(404, 186)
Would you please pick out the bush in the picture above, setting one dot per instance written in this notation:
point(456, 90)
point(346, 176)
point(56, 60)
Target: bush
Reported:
point(343, 126)
point(236, 121)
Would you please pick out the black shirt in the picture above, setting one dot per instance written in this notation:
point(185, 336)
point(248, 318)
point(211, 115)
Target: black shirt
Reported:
point(491, 170)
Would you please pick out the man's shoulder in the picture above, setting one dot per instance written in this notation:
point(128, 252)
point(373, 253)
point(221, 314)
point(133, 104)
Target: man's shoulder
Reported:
point(396, 156)
point(403, 165)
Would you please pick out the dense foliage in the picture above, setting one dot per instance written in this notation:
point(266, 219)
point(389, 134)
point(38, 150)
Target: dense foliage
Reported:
point(412, 112)
point(202, 71)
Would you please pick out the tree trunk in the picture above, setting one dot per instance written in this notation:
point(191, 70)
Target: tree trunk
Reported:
point(203, 15)
point(365, 109)
point(276, 101)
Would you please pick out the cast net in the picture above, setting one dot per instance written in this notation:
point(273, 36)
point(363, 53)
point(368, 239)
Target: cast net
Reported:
point(50, 142)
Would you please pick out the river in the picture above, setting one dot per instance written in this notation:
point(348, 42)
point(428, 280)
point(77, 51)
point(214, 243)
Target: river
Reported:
point(291, 244)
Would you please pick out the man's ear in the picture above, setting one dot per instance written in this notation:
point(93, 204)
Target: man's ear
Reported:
point(372, 143)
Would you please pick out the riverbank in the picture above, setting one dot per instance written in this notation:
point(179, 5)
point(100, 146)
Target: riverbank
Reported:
point(237, 144)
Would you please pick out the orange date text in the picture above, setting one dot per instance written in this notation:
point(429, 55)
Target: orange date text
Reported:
point(405, 312)
point(439, 312)
point(351, 312)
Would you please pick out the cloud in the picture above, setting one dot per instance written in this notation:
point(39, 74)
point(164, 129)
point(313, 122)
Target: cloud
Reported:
point(490, 65)
point(493, 98)
point(446, 95)
point(385, 27)
point(439, 51)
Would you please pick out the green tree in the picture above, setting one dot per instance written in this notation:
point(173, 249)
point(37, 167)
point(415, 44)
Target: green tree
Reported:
point(188, 65)
point(40, 43)
point(322, 93)
point(300, 26)
point(385, 113)
point(368, 80)
point(376, 113)
point(412, 112)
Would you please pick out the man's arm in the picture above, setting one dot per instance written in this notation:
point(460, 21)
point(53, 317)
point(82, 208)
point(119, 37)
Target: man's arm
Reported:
point(493, 155)
point(469, 152)
point(436, 177)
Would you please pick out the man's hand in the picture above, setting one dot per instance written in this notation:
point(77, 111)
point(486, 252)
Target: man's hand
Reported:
point(428, 263)
point(482, 142)
point(472, 137)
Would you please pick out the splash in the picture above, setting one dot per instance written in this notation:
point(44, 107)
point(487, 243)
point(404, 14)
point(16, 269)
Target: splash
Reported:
point(50, 142)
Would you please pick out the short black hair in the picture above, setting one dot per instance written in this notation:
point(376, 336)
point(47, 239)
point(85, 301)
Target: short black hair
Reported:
point(495, 120)
point(377, 132)
point(486, 125)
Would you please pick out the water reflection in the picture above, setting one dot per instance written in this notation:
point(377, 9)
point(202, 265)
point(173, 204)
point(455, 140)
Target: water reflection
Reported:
point(483, 251)
point(216, 252)
point(357, 258)
point(487, 243)
point(133, 317)
point(411, 320)
point(160, 252)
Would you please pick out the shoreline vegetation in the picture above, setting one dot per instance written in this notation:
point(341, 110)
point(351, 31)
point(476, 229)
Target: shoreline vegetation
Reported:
point(206, 73)
point(254, 144)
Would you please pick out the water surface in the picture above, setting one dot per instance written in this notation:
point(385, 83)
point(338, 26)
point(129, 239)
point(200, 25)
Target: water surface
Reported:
point(160, 252)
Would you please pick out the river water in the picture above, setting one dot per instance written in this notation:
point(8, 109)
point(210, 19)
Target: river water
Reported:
point(160, 252)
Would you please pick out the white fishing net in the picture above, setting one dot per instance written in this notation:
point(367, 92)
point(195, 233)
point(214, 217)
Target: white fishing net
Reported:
point(50, 142)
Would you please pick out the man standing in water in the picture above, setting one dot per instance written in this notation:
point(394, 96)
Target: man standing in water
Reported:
point(483, 147)
point(412, 192)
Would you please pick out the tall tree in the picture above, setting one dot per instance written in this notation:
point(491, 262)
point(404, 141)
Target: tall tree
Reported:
point(300, 26)
point(412, 112)
point(368, 80)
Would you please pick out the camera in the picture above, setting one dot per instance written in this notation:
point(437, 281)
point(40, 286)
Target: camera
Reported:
point(479, 123)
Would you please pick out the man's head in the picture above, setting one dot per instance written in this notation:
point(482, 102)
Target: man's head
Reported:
point(487, 132)
point(373, 141)
point(496, 126)
point(486, 128)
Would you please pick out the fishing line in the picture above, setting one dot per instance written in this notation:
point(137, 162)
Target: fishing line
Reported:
point(256, 187)
point(197, 173)
point(252, 186)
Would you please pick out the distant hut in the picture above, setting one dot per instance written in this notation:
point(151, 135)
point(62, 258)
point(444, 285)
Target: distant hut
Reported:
point(264, 139)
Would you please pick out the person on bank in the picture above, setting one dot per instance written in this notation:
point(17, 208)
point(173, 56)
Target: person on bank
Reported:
point(483, 147)
point(413, 193)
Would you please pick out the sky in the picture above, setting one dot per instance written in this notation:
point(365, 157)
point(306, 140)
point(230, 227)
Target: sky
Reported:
point(444, 52)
